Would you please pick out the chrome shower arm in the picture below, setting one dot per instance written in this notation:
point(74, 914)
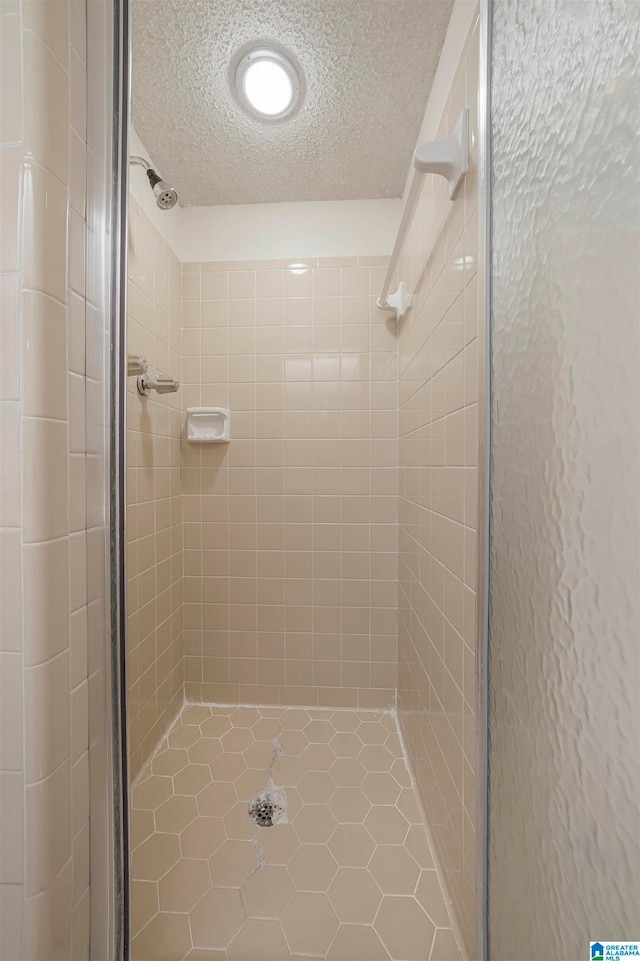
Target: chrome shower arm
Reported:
point(141, 162)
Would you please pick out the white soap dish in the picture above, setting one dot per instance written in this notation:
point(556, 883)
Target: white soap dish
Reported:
point(208, 425)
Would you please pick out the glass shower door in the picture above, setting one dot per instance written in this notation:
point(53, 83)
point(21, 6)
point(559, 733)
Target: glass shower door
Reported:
point(564, 661)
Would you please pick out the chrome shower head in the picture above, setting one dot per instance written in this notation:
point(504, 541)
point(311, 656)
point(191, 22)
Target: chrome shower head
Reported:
point(166, 196)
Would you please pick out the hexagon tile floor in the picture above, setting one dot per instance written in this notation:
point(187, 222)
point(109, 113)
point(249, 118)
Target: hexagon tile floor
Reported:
point(349, 878)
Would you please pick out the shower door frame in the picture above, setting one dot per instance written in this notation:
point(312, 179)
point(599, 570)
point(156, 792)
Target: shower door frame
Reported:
point(117, 475)
point(484, 476)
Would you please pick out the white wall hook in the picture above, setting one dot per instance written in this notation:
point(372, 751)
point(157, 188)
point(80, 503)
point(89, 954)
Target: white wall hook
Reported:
point(448, 158)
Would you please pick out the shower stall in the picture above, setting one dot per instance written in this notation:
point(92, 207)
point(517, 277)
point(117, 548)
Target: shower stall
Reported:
point(320, 510)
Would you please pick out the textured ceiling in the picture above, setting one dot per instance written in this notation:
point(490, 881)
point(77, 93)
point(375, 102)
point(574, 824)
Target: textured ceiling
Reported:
point(367, 66)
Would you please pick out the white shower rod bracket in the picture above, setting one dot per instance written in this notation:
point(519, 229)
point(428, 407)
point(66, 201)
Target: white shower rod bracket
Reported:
point(400, 301)
point(446, 158)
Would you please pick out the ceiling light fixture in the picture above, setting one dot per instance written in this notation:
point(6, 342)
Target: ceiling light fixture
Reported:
point(267, 83)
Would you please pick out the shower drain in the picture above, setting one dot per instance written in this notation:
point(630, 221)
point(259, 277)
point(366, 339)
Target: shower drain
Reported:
point(268, 808)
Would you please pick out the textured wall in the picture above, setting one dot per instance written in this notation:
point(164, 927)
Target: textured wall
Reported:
point(154, 494)
point(564, 715)
point(290, 530)
point(52, 543)
point(437, 456)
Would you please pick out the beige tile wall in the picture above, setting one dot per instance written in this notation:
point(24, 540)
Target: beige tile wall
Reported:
point(291, 529)
point(46, 359)
point(154, 494)
point(437, 402)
